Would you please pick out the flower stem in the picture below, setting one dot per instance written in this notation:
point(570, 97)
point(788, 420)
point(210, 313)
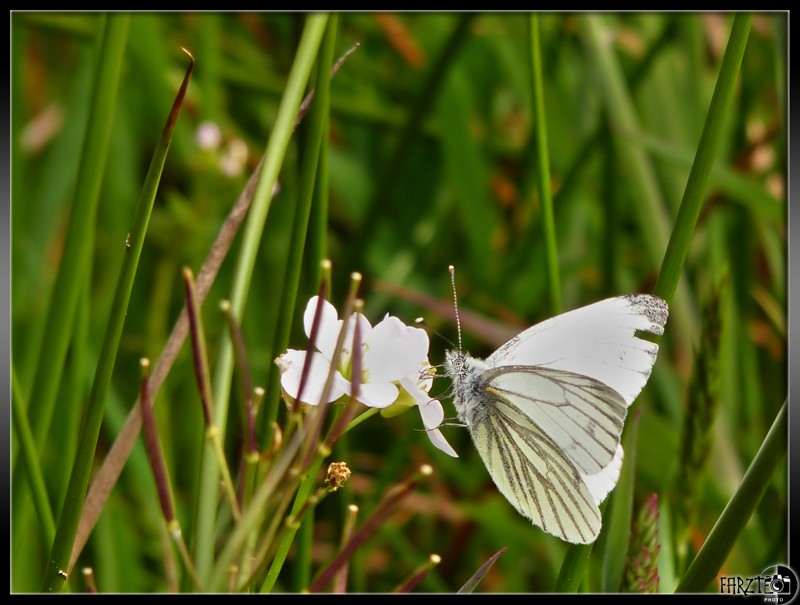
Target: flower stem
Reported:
point(385, 508)
point(254, 514)
point(250, 443)
point(88, 577)
point(340, 579)
point(175, 533)
point(313, 335)
point(155, 455)
point(204, 384)
point(361, 418)
point(291, 525)
point(419, 574)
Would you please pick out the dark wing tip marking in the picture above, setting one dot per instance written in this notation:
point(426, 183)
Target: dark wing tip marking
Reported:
point(653, 308)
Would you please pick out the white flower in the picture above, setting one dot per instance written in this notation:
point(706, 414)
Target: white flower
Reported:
point(234, 159)
point(208, 135)
point(394, 364)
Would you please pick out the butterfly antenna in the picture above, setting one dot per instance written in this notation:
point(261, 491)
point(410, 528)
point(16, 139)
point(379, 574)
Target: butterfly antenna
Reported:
point(455, 303)
point(420, 321)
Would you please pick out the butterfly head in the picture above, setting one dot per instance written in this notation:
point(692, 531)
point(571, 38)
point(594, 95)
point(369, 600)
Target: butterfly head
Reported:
point(466, 374)
point(455, 364)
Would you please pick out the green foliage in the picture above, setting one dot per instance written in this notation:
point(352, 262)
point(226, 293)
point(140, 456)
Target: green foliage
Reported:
point(429, 157)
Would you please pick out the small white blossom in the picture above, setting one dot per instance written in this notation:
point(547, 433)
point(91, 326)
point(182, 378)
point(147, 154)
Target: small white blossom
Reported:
point(208, 135)
point(394, 367)
point(234, 159)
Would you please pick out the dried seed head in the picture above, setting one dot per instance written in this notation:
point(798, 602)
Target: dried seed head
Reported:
point(338, 474)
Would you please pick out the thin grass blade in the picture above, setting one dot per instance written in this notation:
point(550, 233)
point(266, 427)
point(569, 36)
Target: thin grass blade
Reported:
point(707, 150)
point(740, 508)
point(79, 479)
point(273, 159)
point(471, 584)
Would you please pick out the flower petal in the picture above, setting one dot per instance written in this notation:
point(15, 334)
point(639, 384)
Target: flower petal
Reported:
point(377, 394)
point(433, 411)
point(437, 439)
point(291, 364)
point(394, 350)
point(349, 342)
point(432, 415)
point(329, 326)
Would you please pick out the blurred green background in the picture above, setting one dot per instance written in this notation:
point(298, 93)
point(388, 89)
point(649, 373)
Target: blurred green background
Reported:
point(431, 162)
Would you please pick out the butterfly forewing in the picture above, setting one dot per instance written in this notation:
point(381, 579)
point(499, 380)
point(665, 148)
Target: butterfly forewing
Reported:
point(534, 476)
point(597, 340)
point(582, 416)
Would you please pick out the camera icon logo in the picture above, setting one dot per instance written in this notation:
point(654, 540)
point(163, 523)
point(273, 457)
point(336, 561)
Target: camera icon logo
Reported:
point(780, 582)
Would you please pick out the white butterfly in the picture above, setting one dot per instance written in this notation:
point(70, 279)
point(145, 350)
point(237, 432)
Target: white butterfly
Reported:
point(546, 410)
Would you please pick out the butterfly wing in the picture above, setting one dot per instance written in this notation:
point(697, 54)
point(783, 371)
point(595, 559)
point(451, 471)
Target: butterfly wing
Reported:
point(597, 340)
point(581, 416)
point(601, 484)
point(546, 409)
point(532, 471)
point(550, 441)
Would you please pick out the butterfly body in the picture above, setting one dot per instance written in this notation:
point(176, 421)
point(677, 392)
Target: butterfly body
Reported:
point(546, 410)
point(465, 371)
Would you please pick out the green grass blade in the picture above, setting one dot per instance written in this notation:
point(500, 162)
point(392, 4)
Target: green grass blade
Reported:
point(471, 584)
point(78, 376)
point(273, 158)
point(543, 171)
point(573, 567)
point(623, 116)
point(740, 188)
point(313, 186)
point(257, 216)
point(650, 207)
point(621, 514)
point(290, 529)
point(710, 140)
point(76, 257)
point(739, 509)
point(78, 245)
point(305, 544)
point(30, 459)
point(81, 469)
point(316, 127)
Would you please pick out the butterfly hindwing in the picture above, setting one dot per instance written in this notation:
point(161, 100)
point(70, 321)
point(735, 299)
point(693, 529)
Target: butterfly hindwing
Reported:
point(582, 416)
point(532, 473)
